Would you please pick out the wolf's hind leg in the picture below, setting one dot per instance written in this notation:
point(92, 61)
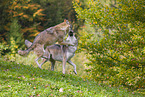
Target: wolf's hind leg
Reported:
point(36, 60)
point(52, 65)
point(44, 61)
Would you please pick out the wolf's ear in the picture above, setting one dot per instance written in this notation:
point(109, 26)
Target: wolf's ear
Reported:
point(67, 22)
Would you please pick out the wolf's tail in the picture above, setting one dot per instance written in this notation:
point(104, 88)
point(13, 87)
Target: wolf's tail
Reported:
point(21, 52)
point(28, 43)
point(26, 52)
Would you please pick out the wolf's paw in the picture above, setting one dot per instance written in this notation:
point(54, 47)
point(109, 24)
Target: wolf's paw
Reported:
point(63, 72)
point(75, 72)
point(39, 66)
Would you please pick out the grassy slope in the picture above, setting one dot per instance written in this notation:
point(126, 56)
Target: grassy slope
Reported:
point(24, 80)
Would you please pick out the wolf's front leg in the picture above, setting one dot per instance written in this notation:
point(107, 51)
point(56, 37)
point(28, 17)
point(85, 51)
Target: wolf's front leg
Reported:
point(71, 63)
point(64, 63)
point(36, 60)
point(44, 60)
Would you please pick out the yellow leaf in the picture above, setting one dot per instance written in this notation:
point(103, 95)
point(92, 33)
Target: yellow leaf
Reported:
point(37, 12)
point(31, 5)
point(25, 16)
point(25, 7)
point(20, 14)
point(16, 7)
point(40, 14)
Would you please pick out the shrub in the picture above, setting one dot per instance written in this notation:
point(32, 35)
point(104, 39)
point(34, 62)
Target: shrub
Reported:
point(118, 57)
point(3, 49)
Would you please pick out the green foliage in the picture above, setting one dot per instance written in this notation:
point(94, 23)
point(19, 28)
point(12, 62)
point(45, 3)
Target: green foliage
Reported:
point(15, 37)
point(117, 58)
point(29, 15)
point(26, 13)
point(18, 80)
point(33, 16)
point(3, 48)
point(15, 33)
point(56, 11)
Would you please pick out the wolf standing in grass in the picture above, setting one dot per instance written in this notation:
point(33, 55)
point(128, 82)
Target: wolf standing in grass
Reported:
point(62, 53)
point(58, 52)
point(48, 37)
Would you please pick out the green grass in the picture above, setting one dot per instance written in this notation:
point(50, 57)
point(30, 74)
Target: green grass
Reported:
point(18, 80)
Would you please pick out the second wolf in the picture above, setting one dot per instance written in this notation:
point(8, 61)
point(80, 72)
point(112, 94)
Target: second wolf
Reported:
point(49, 37)
point(58, 52)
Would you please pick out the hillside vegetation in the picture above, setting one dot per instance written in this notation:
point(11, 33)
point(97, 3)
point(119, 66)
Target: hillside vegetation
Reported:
point(17, 80)
point(116, 45)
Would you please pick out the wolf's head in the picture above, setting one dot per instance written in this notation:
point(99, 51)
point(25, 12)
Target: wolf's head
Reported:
point(65, 26)
point(71, 39)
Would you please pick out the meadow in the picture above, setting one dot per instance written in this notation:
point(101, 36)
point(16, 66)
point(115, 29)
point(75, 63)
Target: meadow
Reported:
point(19, 80)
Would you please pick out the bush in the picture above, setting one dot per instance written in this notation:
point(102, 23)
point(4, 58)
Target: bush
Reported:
point(3, 49)
point(118, 56)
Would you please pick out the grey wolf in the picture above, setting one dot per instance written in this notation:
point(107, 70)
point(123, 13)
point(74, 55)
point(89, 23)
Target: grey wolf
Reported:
point(57, 52)
point(62, 53)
